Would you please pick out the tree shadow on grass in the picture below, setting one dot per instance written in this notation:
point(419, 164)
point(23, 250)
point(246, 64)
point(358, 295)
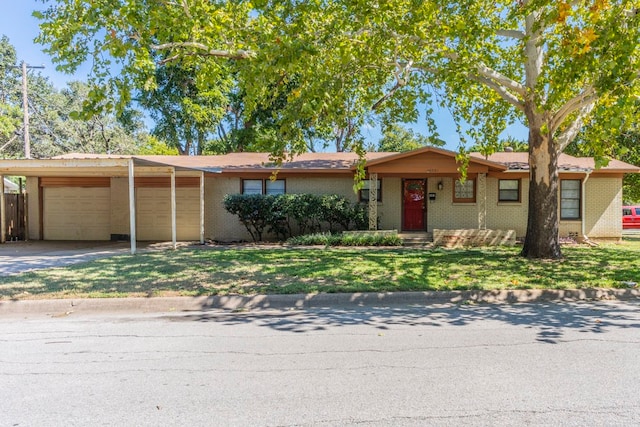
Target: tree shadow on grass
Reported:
point(550, 320)
point(253, 271)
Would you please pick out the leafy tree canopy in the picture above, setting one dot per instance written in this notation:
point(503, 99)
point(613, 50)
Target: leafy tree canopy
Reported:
point(507, 144)
point(398, 138)
point(10, 114)
point(625, 146)
point(56, 125)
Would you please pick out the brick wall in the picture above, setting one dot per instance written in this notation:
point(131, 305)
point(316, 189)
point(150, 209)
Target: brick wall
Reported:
point(323, 185)
point(33, 207)
point(604, 207)
point(120, 206)
point(507, 215)
point(218, 223)
point(473, 237)
point(442, 213)
point(390, 209)
point(603, 196)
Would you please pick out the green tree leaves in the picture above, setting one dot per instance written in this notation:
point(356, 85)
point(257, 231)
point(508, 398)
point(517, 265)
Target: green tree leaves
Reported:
point(398, 138)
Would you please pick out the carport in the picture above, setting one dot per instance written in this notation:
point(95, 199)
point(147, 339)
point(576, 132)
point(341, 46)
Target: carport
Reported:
point(102, 197)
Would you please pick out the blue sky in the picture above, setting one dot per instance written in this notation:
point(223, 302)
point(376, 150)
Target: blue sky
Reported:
point(17, 23)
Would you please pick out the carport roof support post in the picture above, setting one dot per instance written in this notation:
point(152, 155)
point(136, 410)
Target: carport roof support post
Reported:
point(132, 208)
point(3, 213)
point(202, 208)
point(174, 232)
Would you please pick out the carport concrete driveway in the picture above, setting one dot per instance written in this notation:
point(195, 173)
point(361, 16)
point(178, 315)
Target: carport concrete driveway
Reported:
point(17, 257)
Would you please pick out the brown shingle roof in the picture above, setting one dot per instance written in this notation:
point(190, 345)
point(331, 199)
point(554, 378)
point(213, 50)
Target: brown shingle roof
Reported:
point(324, 162)
point(566, 163)
point(248, 161)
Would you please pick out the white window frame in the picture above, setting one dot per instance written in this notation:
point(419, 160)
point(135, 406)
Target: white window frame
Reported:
point(275, 187)
point(264, 186)
point(501, 191)
point(569, 202)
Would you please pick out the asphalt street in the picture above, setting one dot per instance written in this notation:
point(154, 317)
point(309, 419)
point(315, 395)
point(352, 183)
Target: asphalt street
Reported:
point(407, 365)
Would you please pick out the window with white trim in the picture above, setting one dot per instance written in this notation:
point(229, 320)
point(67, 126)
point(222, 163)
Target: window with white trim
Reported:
point(509, 190)
point(251, 186)
point(274, 187)
point(263, 186)
point(570, 194)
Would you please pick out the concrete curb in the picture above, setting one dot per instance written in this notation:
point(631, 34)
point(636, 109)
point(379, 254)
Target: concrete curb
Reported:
point(307, 301)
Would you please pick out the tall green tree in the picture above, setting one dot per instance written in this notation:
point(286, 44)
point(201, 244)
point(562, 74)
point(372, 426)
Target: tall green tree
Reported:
point(184, 112)
point(10, 97)
point(554, 65)
point(398, 138)
point(509, 143)
point(56, 124)
point(247, 130)
point(63, 128)
point(625, 147)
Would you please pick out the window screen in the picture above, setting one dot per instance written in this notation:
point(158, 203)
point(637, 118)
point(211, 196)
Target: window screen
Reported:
point(570, 199)
point(364, 192)
point(509, 190)
point(275, 187)
point(251, 186)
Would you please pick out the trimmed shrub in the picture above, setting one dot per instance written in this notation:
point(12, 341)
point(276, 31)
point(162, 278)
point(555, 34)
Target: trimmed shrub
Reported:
point(306, 210)
point(336, 211)
point(253, 210)
point(289, 214)
point(283, 223)
point(347, 239)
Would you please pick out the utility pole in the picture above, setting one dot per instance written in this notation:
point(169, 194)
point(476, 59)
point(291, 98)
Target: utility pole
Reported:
point(25, 108)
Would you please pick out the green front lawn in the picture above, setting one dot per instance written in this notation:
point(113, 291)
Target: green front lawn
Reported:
point(255, 270)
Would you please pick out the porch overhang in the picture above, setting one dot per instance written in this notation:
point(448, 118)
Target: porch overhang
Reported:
point(429, 161)
point(95, 167)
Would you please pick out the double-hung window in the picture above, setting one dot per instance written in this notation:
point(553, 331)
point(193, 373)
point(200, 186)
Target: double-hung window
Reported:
point(570, 190)
point(509, 190)
point(251, 186)
point(274, 187)
point(364, 191)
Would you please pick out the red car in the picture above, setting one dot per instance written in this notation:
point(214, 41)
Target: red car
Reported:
point(631, 217)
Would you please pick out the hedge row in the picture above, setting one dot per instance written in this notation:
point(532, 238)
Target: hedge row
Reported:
point(347, 239)
point(289, 215)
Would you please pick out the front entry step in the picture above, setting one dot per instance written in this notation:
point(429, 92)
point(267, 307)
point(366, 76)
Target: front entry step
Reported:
point(416, 239)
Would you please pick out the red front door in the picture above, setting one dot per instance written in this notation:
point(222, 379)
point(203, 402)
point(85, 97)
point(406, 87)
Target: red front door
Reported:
point(413, 205)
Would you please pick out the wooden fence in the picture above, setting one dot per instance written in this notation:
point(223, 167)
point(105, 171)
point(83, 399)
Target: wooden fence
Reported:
point(14, 220)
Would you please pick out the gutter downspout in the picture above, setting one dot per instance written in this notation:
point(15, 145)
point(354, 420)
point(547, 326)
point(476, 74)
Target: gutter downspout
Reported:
point(585, 238)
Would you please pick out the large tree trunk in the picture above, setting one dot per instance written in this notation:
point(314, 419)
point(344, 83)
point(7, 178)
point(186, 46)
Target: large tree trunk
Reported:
point(541, 240)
